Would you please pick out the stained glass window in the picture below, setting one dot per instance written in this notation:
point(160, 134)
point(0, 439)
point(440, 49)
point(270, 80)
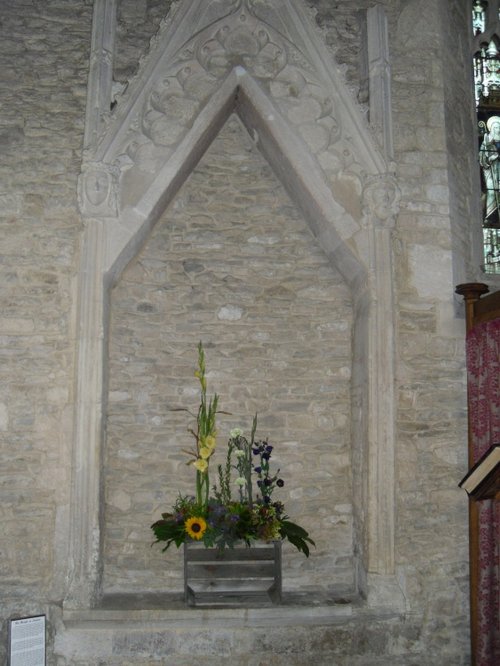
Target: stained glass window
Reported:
point(486, 60)
point(478, 17)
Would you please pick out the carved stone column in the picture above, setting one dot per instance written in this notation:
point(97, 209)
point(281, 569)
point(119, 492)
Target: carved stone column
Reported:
point(100, 71)
point(379, 74)
point(97, 198)
point(381, 202)
point(84, 561)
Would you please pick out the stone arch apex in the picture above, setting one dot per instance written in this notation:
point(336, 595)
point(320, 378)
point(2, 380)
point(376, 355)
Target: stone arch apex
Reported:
point(192, 55)
point(288, 155)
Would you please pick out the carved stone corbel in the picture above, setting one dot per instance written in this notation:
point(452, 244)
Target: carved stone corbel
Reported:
point(381, 199)
point(98, 190)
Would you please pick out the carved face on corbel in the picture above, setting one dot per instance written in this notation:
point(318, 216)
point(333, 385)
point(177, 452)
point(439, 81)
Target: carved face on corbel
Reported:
point(381, 197)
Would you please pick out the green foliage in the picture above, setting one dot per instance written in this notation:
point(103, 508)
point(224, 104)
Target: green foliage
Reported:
point(296, 535)
point(169, 530)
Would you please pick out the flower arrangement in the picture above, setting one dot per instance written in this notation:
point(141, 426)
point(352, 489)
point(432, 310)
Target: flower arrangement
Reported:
point(221, 519)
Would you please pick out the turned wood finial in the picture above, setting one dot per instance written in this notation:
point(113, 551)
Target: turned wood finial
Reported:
point(472, 292)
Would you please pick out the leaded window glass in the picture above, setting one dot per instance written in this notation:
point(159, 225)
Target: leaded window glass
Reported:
point(478, 17)
point(486, 60)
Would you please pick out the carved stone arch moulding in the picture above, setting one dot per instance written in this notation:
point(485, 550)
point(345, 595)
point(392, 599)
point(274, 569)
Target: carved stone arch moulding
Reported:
point(265, 61)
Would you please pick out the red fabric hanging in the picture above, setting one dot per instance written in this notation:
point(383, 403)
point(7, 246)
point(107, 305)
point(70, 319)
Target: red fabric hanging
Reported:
point(483, 369)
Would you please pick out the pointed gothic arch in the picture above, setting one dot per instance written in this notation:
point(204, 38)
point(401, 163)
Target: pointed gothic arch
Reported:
point(294, 104)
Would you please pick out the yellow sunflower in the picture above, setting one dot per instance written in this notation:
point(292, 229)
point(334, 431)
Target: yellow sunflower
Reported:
point(195, 527)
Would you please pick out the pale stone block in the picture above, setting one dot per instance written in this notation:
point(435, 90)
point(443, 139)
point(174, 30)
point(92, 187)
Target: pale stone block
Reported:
point(428, 266)
point(230, 313)
point(119, 396)
point(16, 325)
point(4, 417)
point(58, 394)
point(10, 203)
point(121, 500)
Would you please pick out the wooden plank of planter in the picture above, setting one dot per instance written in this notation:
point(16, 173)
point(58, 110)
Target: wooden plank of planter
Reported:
point(214, 569)
point(237, 576)
point(200, 554)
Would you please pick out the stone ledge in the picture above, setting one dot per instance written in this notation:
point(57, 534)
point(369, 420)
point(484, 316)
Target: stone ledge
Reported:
point(171, 611)
point(283, 635)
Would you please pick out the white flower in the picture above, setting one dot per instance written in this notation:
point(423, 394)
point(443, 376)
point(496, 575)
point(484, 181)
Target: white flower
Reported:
point(235, 432)
point(239, 453)
point(240, 481)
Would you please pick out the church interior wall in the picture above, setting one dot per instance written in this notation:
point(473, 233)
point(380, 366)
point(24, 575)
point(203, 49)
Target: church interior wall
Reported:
point(44, 56)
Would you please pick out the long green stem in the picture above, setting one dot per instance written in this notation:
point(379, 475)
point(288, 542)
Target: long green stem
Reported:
point(249, 461)
point(205, 429)
point(198, 488)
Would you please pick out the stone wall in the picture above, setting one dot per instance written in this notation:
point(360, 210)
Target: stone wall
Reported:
point(44, 51)
point(232, 263)
point(137, 22)
point(44, 64)
point(431, 398)
point(461, 143)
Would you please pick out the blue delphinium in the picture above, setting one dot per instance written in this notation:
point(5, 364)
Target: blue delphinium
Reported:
point(265, 481)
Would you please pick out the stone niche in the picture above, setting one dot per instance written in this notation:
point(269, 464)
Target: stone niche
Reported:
point(236, 196)
point(231, 262)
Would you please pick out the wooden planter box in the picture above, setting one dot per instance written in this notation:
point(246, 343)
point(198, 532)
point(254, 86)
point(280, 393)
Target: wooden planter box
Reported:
point(239, 576)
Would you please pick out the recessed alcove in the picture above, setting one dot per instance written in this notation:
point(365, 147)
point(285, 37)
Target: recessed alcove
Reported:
point(231, 262)
point(293, 243)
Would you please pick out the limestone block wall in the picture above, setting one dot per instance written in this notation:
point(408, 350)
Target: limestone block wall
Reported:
point(231, 263)
point(461, 142)
point(136, 23)
point(431, 397)
point(44, 51)
point(43, 74)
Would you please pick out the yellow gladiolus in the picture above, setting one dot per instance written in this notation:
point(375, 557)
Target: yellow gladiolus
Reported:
point(201, 465)
point(199, 375)
point(205, 452)
point(209, 442)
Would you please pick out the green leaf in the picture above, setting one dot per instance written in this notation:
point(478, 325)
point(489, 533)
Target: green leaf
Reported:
point(296, 535)
point(168, 530)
